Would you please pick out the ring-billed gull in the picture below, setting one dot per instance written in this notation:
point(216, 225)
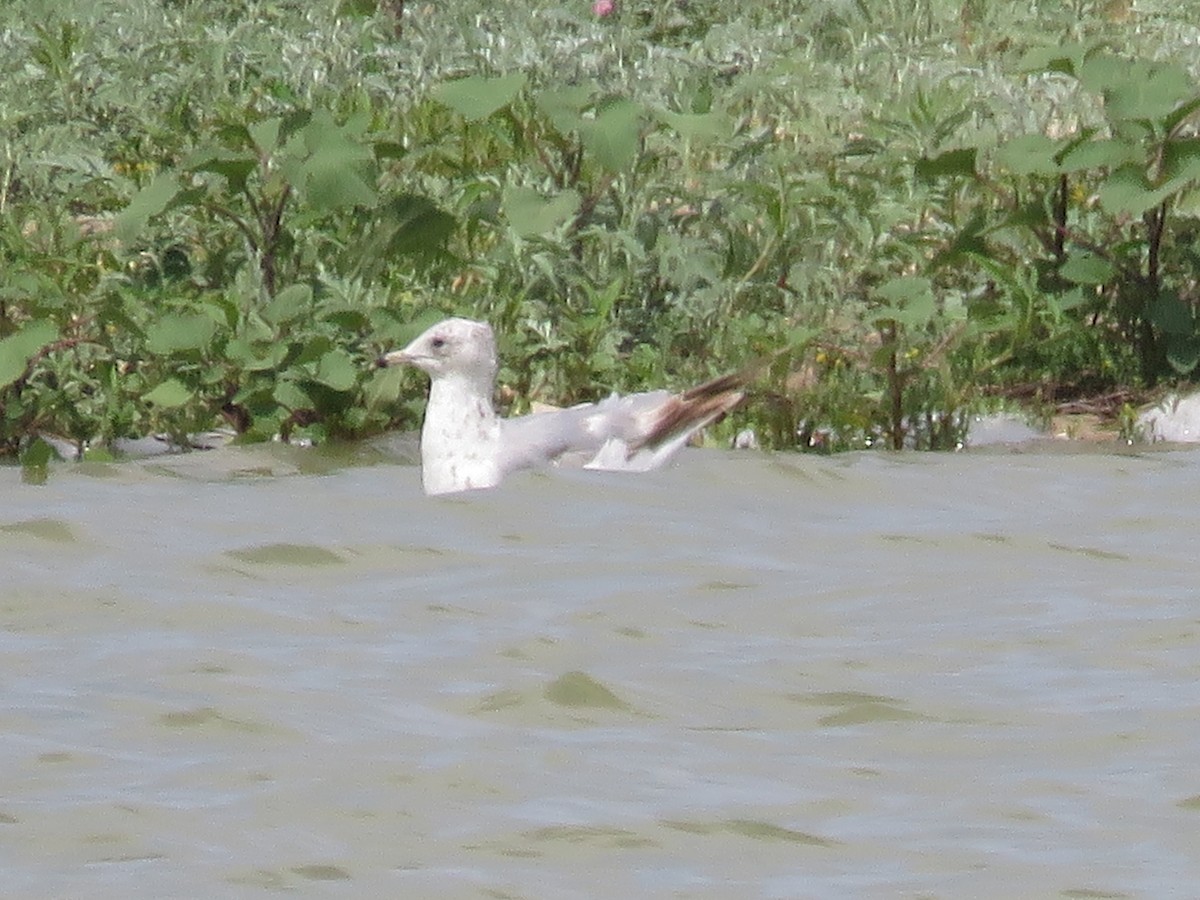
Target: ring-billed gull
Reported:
point(465, 445)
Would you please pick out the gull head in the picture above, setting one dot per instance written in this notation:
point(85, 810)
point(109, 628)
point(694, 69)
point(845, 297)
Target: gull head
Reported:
point(459, 347)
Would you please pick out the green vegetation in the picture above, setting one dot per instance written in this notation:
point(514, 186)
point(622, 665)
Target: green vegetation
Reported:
point(222, 211)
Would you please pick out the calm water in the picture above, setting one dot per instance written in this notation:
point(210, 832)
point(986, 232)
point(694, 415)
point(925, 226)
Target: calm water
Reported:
point(256, 672)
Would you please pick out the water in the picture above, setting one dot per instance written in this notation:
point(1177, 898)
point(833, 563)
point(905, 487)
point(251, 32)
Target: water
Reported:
point(253, 672)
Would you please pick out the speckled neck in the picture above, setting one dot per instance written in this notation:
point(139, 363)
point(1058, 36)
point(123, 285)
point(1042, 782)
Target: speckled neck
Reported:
point(460, 438)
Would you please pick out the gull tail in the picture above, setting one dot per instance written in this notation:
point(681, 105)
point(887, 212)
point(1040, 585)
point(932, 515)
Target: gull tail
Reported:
point(684, 414)
point(665, 423)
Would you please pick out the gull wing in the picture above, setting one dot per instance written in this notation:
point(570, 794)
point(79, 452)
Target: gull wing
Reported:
point(636, 432)
point(577, 432)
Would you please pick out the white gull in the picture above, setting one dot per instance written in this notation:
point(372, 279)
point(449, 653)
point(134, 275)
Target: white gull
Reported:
point(465, 445)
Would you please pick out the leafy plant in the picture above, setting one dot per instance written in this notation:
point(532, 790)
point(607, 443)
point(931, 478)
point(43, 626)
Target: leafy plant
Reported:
point(213, 212)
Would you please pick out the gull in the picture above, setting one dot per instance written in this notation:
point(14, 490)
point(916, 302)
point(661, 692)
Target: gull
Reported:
point(465, 445)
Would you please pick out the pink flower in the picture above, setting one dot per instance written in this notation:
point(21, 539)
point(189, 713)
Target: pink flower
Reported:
point(604, 8)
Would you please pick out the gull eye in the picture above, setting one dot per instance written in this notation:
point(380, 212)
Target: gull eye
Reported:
point(438, 343)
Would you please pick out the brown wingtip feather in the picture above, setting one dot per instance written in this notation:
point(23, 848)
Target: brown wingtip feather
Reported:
point(696, 407)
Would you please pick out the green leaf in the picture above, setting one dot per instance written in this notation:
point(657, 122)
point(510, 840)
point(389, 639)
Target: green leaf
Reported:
point(614, 136)
point(288, 305)
point(256, 359)
point(1183, 352)
point(333, 183)
point(909, 301)
point(37, 454)
point(337, 167)
point(146, 203)
point(1137, 90)
point(170, 394)
point(1064, 58)
point(1128, 191)
point(337, 370)
point(291, 396)
point(1171, 315)
point(1187, 202)
point(1100, 70)
point(564, 108)
point(798, 337)
point(1181, 112)
point(384, 150)
point(416, 225)
point(919, 311)
point(476, 96)
point(1105, 153)
point(313, 349)
point(960, 162)
point(1031, 214)
point(235, 135)
point(1087, 268)
point(1181, 163)
point(265, 134)
point(18, 349)
point(968, 241)
point(700, 128)
point(179, 333)
point(383, 387)
point(1029, 154)
point(255, 328)
point(1061, 303)
point(360, 8)
point(529, 213)
point(904, 289)
point(236, 168)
